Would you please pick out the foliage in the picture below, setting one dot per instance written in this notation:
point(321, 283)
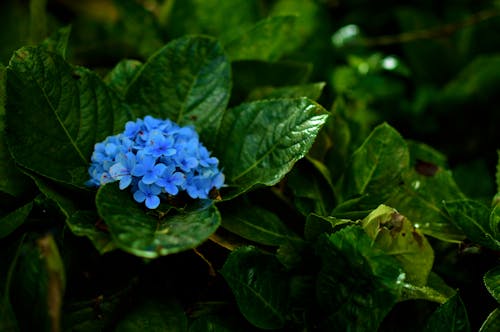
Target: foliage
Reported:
point(360, 155)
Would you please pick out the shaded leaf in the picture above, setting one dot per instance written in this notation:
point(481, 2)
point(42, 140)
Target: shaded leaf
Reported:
point(186, 81)
point(122, 74)
point(358, 284)
point(267, 138)
point(421, 197)
point(492, 282)
point(58, 42)
point(220, 323)
point(377, 165)
point(473, 218)
point(256, 224)
point(154, 316)
point(145, 234)
point(450, 316)
point(316, 225)
point(311, 91)
point(55, 115)
point(498, 172)
point(259, 286)
point(11, 221)
point(267, 40)
point(423, 152)
point(492, 323)
point(38, 287)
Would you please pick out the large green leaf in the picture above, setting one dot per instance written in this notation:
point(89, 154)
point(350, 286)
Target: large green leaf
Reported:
point(436, 290)
point(450, 316)
point(58, 42)
point(122, 74)
point(398, 237)
point(358, 284)
point(473, 218)
point(38, 286)
point(492, 323)
point(311, 90)
point(268, 40)
point(420, 197)
point(259, 286)
point(259, 142)
point(154, 316)
point(55, 114)
point(377, 165)
point(14, 219)
point(492, 282)
point(316, 225)
point(256, 224)
point(187, 81)
point(148, 235)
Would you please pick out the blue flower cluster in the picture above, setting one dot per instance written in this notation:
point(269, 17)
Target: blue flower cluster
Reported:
point(156, 157)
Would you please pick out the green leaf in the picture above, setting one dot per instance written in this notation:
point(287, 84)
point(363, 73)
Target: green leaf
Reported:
point(122, 74)
point(12, 181)
point(266, 139)
point(221, 323)
point(145, 234)
point(377, 165)
point(268, 40)
point(55, 115)
point(316, 225)
point(311, 192)
point(421, 197)
point(492, 323)
point(312, 91)
point(154, 316)
point(436, 290)
point(498, 172)
point(492, 282)
point(187, 81)
point(38, 287)
point(259, 286)
point(58, 42)
point(81, 223)
point(450, 316)
point(11, 221)
point(256, 224)
point(423, 152)
point(397, 237)
point(495, 221)
point(357, 281)
point(473, 218)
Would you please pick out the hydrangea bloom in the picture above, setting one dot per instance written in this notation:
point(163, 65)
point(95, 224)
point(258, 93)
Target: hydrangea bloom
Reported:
point(156, 157)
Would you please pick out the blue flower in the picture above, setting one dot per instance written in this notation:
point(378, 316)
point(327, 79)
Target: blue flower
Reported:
point(170, 180)
point(148, 169)
point(122, 170)
point(156, 158)
point(148, 193)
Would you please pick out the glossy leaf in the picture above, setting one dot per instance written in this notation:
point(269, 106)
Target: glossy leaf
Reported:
point(377, 165)
point(492, 282)
point(55, 114)
point(492, 322)
point(147, 235)
point(398, 237)
point(186, 81)
point(266, 139)
point(14, 219)
point(268, 40)
point(256, 224)
point(473, 218)
point(154, 316)
point(436, 290)
point(450, 316)
point(259, 286)
point(361, 298)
